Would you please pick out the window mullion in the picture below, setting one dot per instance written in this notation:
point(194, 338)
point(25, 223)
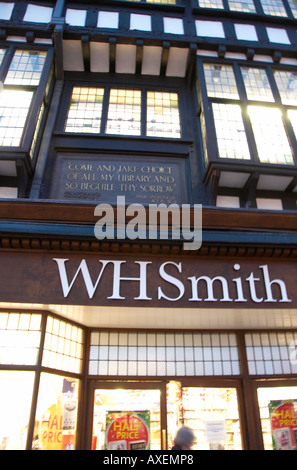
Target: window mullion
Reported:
point(143, 112)
point(211, 146)
point(286, 121)
point(6, 62)
point(105, 109)
point(246, 118)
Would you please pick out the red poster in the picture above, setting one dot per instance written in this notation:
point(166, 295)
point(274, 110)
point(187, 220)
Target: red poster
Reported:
point(283, 417)
point(127, 430)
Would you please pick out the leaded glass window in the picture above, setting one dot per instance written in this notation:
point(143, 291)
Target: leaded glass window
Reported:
point(231, 137)
point(243, 129)
point(273, 7)
point(220, 81)
point(20, 84)
point(84, 114)
point(163, 118)
point(211, 4)
point(246, 6)
point(256, 84)
point(124, 111)
point(270, 135)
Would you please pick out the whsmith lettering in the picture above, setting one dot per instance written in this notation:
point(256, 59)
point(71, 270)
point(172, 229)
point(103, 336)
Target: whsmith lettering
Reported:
point(257, 287)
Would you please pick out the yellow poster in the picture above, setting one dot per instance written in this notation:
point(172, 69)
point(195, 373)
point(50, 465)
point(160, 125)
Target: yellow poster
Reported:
point(52, 428)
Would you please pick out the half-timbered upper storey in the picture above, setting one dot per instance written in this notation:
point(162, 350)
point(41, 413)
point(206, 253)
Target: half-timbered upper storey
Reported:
point(206, 87)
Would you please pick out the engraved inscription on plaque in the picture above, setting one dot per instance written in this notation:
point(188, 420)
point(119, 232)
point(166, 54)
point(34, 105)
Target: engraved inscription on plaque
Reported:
point(101, 179)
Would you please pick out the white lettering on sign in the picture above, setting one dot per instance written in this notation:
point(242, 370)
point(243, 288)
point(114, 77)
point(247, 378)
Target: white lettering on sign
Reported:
point(201, 288)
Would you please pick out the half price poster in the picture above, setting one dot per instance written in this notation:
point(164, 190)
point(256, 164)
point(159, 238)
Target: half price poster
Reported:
point(283, 420)
point(128, 430)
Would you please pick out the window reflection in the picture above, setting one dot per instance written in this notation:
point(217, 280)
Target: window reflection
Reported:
point(220, 81)
point(287, 86)
point(233, 122)
point(25, 68)
point(14, 107)
point(256, 84)
point(24, 71)
point(270, 135)
point(231, 137)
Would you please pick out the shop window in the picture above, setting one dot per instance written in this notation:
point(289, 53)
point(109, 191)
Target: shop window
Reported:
point(56, 415)
point(278, 416)
point(128, 111)
point(20, 338)
point(159, 354)
point(63, 346)
point(212, 413)
point(126, 419)
point(16, 389)
point(271, 353)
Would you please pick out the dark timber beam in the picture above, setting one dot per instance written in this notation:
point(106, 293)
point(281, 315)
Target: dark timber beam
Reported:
point(112, 54)
point(85, 42)
point(139, 55)
point(164, 58)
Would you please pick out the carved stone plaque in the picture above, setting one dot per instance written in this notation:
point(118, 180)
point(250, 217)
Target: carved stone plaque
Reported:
point(150, 180)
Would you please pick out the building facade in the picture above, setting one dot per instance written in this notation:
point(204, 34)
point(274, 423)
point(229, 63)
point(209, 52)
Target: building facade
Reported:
point(148, 190)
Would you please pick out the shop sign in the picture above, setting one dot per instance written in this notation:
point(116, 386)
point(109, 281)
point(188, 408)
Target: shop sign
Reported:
point(283, 419)
point(128, 430)
point(149, 281)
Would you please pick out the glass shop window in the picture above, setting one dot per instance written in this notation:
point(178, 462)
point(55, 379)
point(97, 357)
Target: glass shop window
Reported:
point(16, 389)
point(56, 415)
point(278, 413)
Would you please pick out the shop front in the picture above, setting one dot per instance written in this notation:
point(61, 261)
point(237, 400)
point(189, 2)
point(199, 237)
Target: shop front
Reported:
point(115, 351)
